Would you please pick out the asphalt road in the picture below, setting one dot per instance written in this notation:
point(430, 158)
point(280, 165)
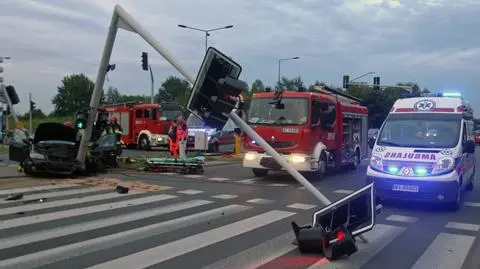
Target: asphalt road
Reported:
point(223, 219)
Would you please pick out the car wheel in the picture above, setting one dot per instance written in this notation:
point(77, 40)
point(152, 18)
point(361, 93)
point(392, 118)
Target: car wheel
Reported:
point(144, 143)
point(258, 172)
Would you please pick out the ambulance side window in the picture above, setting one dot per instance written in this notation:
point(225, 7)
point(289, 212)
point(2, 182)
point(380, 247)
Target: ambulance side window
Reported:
point(464, 135)
point(470, 130)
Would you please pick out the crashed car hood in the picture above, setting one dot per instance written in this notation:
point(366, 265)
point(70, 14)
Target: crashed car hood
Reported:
point(54, 131)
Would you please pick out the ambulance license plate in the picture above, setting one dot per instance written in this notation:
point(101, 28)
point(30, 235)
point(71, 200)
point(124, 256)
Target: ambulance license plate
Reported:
point(406, 188)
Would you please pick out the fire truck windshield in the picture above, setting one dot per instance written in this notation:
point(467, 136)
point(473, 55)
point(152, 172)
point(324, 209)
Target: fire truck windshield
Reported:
point(294, 112)
point(421, 131)
point(171, 114)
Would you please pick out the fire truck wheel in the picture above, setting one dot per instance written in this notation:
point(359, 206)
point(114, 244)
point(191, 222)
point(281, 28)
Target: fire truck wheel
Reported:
point(356, 160)
point(322, 169)
point(144, 143)
point(259, 172)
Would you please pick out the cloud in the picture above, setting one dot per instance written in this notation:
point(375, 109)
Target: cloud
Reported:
point(432, 42)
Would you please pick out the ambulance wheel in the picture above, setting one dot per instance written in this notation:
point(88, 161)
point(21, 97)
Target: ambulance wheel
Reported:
point(144, 143)
point(258, 172)
point(455, 205)
point(470, 185)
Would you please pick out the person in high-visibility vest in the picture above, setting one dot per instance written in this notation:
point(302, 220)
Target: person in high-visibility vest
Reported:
point(172, 141)
point(182, 136)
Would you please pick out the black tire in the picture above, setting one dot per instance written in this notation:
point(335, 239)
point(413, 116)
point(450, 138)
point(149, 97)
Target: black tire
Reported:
point(214, 148)
point(143, 142)
point(455, 205)
point(258, 172)
point(320, 173)
point(354, 165)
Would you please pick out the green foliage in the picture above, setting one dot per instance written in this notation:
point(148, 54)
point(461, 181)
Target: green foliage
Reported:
point(290, 84)
point(73, 94)
point(174, 89)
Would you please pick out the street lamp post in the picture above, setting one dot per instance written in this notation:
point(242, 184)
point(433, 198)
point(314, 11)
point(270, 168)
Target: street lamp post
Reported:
point(280, 62)
point(207, 32)
point(4, 92)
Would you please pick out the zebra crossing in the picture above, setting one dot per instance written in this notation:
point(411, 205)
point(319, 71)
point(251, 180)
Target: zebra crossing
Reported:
point(73, 226)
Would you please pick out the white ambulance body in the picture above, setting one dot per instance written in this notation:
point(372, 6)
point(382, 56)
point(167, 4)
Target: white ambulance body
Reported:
point(425, 151)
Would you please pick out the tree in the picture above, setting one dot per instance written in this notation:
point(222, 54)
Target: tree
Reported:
point(74, 94)
point(257, 86)
point(113, 96)
point(290, 84)
point(174, 89)
point(37, 113)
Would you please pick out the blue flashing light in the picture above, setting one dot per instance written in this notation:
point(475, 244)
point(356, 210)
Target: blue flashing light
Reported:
point(408, 95)
point(393, 169)
point(420, 171)
point(451, 94)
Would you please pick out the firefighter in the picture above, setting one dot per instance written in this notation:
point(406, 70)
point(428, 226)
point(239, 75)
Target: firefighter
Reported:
point(182, 136)
point(172, 141)
point(117, 130)
point(67, 123)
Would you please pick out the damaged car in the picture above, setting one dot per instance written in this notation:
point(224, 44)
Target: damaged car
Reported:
point(53, 151)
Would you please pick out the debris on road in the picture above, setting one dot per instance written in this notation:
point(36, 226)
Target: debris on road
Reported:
point(14, 197)
point(109, 183)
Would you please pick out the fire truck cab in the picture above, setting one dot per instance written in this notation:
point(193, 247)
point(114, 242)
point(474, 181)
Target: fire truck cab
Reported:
point(314, 130)
point(145, 125)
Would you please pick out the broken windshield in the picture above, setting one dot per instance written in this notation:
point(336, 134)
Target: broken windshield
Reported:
point(262, 112)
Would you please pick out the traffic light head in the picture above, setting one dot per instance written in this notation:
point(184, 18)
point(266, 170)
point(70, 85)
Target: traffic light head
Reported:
point(376, 83)
point(346, 80)
point(217, 89)
point(81, 120)
point(145, 61)
point(12, 94)
point(32, 105)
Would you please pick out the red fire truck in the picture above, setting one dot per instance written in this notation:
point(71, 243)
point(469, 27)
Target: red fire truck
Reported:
point(145, 125)
point(314, 130)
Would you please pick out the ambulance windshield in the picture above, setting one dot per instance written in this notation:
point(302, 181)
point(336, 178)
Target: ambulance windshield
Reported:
point(294, 112)
point(421, 131)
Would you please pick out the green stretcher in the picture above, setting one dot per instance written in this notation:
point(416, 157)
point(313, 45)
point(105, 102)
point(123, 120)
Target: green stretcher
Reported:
point(193, 165)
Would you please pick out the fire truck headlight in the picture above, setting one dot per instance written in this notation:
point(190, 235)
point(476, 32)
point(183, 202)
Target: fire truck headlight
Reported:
point(376, 162)
point(250, 156)
point(297, 158)
point(159, 139)
point(443, 165)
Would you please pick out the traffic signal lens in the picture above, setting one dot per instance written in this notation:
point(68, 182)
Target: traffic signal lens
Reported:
point(80, 125)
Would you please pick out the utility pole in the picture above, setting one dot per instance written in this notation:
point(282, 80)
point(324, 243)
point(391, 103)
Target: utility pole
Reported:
point(152, 84)
point(279, 65)
point(30, 113)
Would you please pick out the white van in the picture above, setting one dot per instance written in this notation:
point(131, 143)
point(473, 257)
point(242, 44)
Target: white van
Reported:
point(425, 151)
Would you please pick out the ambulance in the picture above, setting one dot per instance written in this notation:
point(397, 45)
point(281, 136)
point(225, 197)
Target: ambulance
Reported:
point(425, 151)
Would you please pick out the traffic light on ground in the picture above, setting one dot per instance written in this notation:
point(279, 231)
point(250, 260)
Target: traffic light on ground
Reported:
point(12, 94)
point(376, 83)
point(217, 89)
point(145, 61)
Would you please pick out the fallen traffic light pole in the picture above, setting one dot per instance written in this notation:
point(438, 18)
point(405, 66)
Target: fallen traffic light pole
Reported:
point(333, 227)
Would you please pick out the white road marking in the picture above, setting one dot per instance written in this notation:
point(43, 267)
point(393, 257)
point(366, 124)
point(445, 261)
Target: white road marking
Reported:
point(463, 226)
point(248, 181)
point(301, 188)
point(259, 201)
point(190, 192)
point(59, 203)
point(38, 188)
point(53, 194)
point(277, 185)
point(301, 206)
point(343, 191)
point(258, 255)
point(225, 196)
point(447, 251)
point(193, 176)
point(471, 204)
point(49, 256)
point(218, 179)
point(378, 238)
point(97, 224)
point(186, 245)
point(400, 218)
point(17, 222)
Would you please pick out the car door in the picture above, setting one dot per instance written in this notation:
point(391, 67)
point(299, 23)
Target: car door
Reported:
point(468, 158)
point(19, 147)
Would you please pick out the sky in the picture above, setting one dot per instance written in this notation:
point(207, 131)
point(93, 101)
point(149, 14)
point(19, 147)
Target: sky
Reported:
point(435, 43)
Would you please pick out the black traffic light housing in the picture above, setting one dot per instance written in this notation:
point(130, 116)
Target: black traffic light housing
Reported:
point(81, 120)
point(145, 61)
point(12, 94)
point(346, 80)
point(376, 83)
point(217, 89)
point(32, 105)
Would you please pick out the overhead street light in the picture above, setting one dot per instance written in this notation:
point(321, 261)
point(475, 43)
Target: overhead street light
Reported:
point(280, 62)
point(207, 32)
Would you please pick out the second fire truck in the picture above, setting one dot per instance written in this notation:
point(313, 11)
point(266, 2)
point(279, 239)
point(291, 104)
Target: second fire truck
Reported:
point(145, 125)
point(314, 130)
